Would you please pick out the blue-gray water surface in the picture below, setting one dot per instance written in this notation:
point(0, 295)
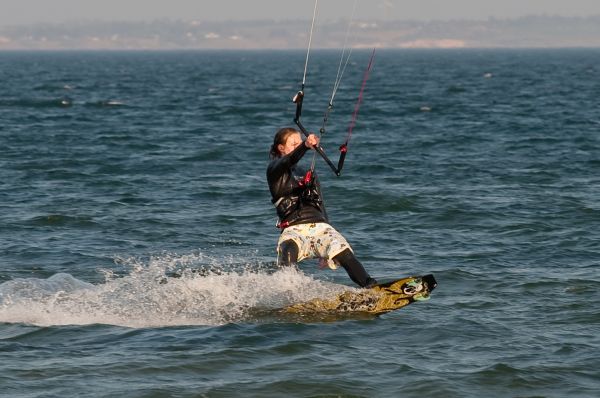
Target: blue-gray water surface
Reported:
point(137, 238)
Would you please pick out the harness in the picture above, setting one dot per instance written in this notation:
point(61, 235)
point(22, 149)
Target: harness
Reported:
point(305, 193)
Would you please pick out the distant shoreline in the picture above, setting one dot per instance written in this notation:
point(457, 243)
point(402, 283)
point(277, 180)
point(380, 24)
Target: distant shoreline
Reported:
point(290, 50)
point(524, 32)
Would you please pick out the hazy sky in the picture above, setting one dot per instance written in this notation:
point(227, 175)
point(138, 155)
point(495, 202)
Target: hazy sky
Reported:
point(16, 12)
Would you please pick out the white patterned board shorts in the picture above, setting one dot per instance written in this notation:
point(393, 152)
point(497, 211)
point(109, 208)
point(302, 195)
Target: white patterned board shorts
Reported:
point(315, 240)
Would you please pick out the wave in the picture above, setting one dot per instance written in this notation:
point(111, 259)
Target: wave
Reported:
point(61, 220)
point(105, 104)
point(156, 295)
point(63, 102)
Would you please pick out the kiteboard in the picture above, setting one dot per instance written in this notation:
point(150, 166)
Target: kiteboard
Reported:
point(379, 299)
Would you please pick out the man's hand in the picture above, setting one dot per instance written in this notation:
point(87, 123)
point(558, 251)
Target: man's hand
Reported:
point(311, 141)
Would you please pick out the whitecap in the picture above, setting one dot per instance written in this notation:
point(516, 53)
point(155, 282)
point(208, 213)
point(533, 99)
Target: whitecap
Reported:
point(153, 295)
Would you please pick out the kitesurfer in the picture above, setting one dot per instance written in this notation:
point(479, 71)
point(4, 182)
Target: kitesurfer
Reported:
point(305, 228)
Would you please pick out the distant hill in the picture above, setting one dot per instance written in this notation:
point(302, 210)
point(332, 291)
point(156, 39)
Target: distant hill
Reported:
point(532, 31)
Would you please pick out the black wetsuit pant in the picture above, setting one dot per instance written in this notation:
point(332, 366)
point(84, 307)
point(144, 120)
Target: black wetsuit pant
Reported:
point(355, 270)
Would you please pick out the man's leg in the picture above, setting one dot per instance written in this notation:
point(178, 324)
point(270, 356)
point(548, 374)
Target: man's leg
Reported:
point(288, 253)
point(354, 268)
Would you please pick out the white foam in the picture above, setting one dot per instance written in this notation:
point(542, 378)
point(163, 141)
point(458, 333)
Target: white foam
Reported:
point(146, 297)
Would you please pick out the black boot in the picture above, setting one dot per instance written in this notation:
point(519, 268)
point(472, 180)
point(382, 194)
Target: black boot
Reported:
point(354, 268)
point(370, 282)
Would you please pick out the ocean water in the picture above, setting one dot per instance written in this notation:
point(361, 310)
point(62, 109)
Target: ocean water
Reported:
point(137, 239)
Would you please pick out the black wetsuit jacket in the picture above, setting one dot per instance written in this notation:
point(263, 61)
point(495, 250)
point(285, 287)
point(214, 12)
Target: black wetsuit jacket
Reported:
point(294, 202)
